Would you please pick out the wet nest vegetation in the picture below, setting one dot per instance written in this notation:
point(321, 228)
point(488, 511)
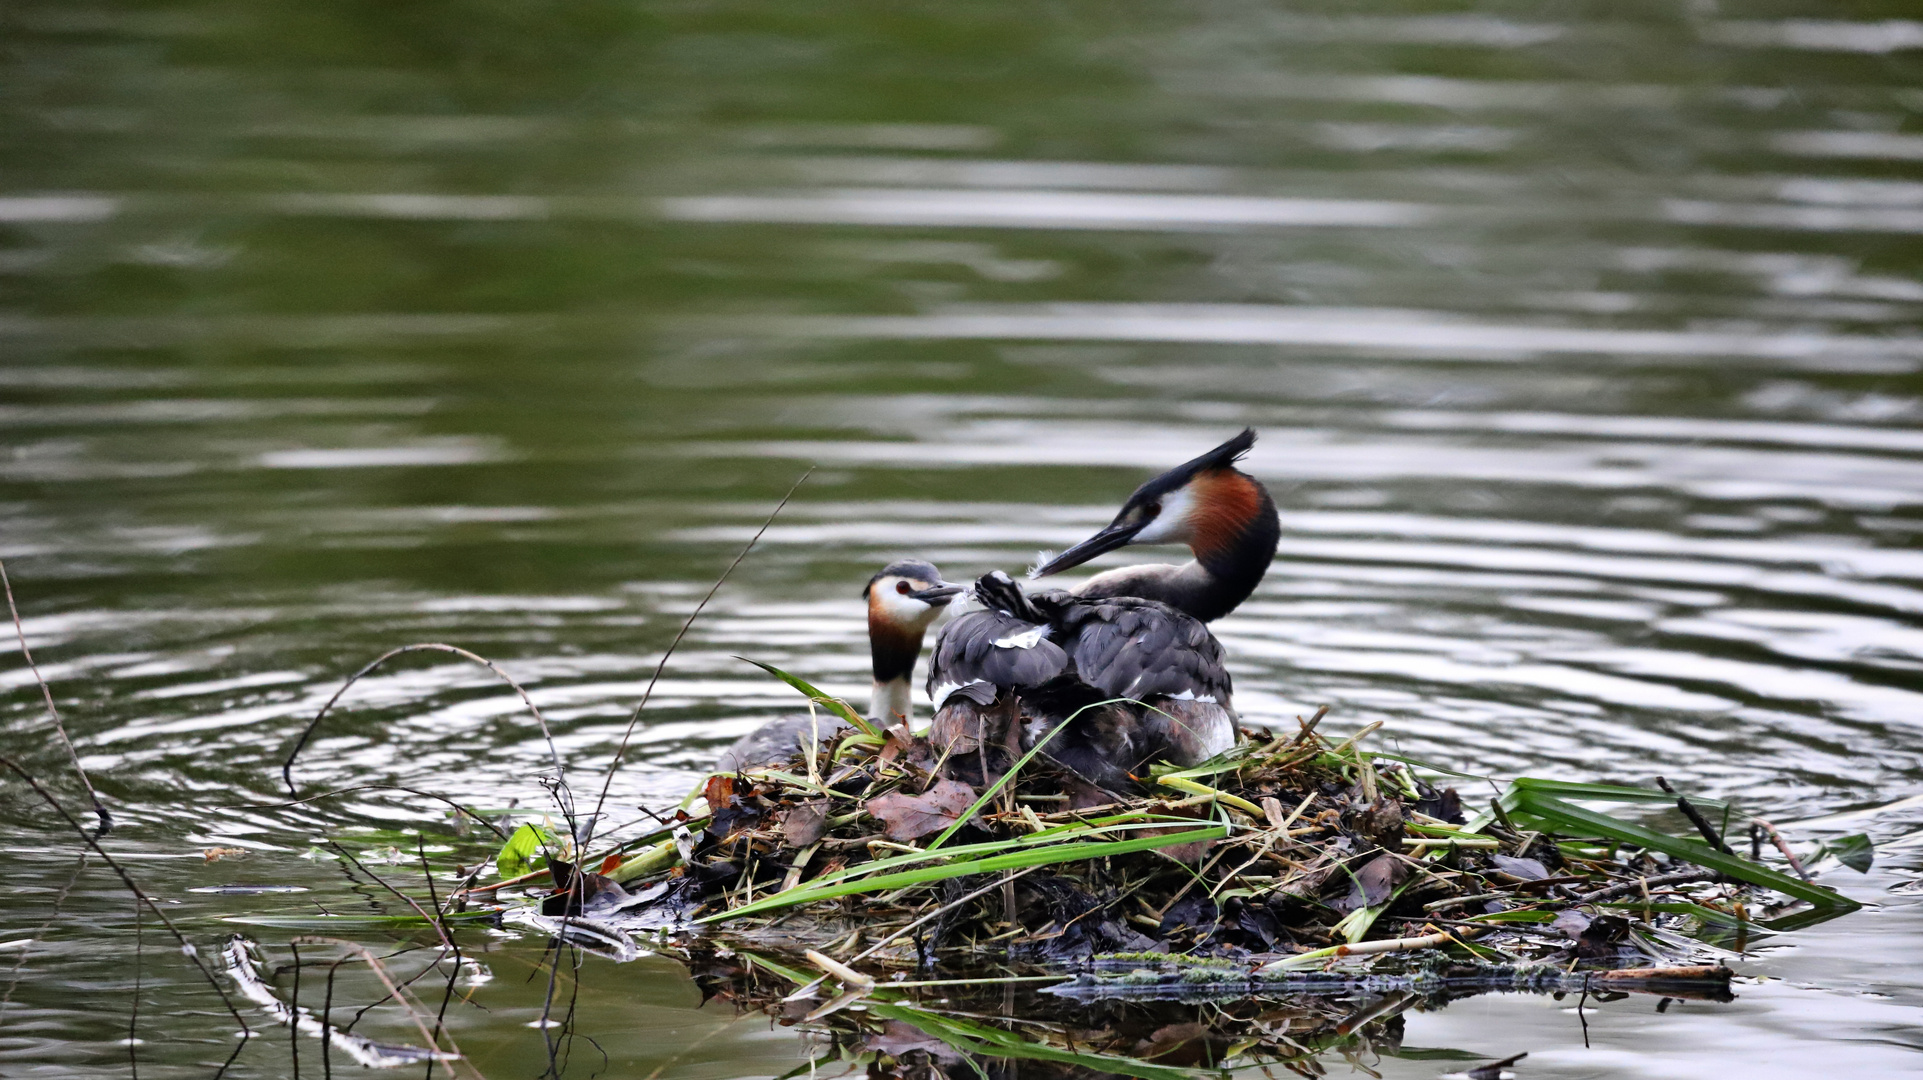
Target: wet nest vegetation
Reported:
point(872, 858)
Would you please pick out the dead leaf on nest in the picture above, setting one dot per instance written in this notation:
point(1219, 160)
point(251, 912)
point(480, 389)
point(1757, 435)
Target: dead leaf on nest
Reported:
point(1375, 883)
point(805, 822)
point(915, 750)
point(906, 817)
point(1520, 869)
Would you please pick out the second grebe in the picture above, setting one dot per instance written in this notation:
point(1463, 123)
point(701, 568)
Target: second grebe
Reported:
point(904, 599)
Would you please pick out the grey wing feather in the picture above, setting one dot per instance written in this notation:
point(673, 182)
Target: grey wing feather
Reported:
point(996, 649)
point(1140, 649)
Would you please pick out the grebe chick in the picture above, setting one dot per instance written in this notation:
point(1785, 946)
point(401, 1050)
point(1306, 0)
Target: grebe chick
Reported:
point(904, 599)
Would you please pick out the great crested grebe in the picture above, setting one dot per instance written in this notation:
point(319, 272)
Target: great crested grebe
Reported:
point(1002, 676)
point(903, 600)
point(1223, 514)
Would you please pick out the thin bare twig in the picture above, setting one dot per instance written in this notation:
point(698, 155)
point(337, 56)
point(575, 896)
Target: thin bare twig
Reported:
point(635, 717)
point(432, 920)
point(1782, 845)
point(495, 829)
point(440, 914)
point(133, 1008)
point(327, 1021)
point(46, 694)
point(1626, 888)
point(1308, 727)
point(286, 768)
point(293, 1012)
point(186, 947)
point(53, 916)
point(1696, 818)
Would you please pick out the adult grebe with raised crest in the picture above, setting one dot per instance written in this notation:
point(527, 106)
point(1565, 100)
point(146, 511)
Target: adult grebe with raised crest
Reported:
point(1003, 675)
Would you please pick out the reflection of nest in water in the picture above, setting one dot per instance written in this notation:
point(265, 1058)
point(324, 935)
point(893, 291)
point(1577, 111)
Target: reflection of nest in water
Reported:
point(959, 1032)
point(961, 1035)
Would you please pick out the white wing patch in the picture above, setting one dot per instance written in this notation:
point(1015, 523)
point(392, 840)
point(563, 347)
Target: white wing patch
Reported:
point(943, 690)
point(1027, 639)
point(1190, 695)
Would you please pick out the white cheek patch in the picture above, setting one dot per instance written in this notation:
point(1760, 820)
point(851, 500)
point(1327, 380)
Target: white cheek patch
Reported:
point(1027, 639)
point(900, 609)
point(1172, 524)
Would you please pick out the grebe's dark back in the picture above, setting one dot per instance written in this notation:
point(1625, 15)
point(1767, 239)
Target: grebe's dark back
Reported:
point(1001, 676)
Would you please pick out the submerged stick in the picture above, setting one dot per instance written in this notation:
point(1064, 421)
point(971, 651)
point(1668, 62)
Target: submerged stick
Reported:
point(186, 947)
point(46, 694)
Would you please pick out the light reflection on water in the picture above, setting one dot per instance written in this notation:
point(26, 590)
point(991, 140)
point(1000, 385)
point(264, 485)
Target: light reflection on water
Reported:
point(1585, 354)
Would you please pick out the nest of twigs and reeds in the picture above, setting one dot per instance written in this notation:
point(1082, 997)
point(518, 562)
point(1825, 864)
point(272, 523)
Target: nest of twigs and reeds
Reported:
point(1292, 853)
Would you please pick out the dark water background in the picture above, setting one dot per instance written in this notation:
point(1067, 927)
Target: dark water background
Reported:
point(1585, 341)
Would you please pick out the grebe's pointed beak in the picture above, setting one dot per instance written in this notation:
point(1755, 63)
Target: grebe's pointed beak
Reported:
point(1110, 538)
point(938, 596)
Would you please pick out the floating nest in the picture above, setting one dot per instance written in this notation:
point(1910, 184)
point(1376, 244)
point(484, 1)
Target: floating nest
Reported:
point(875, 858)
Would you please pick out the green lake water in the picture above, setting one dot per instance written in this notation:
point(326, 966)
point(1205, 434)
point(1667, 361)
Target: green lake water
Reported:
point(1585, 342)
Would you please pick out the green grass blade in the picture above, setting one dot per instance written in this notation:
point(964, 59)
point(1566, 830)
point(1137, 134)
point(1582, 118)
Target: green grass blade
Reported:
point(1057, 853)
point(986, 847)
point(1530, 799)
point(1565, 789)
point(832, 704)
point(1007, 776)
point(522, 851)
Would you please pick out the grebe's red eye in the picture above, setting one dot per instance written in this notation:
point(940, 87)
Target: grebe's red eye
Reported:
point(904, 588)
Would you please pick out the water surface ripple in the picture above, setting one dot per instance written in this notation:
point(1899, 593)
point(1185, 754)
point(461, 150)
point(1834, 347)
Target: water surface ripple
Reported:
point(1586, 347)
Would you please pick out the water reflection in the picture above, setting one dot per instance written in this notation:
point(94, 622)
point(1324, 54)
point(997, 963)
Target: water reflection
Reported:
point(1585, 352)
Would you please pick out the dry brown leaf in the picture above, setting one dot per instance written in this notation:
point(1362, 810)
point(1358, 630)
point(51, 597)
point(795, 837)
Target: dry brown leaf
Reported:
point(805, 822)
point(907, 817)
point(1375, 882)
